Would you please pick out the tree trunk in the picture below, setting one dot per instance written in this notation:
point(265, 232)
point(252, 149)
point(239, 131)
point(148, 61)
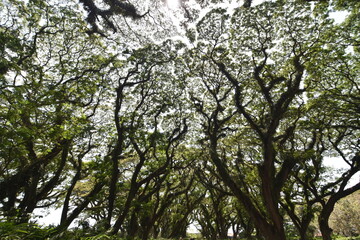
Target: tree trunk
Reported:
point(75, 213)
point(304, 227)
point(124, 213)
point(133, 225)
point(112, 189)
point(179, 230)
point(146, 231)
point(325, 229)
point(115, 155)
point(272, 233)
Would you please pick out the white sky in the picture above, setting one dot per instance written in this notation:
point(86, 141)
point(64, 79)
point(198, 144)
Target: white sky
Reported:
point(172, 4)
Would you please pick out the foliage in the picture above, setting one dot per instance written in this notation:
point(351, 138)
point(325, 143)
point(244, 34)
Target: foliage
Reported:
point(10, 230)
point(344, 218)
point(144, 134)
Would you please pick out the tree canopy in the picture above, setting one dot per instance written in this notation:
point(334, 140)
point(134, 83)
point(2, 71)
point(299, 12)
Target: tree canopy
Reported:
point(141, 121)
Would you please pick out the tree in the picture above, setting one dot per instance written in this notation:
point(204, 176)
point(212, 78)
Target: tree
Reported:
point(265, 58)
point(337, 87)
point(230, 130)
point(49, 92)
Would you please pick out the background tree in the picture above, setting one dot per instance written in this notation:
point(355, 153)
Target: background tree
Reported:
point(343, 220)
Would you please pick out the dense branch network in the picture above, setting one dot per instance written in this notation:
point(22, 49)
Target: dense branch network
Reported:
point(230, 132)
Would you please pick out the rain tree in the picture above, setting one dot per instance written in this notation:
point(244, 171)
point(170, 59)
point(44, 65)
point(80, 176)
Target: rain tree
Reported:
point(50, 82)
point(103, 117)
point(255, 72)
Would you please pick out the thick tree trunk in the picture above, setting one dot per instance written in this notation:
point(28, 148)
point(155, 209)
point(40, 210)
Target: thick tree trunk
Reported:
point(179, 229)
point(115, 156)
point(125, 211)
point(325, 229)
point(304, 227)
point(146, 231)
point(270, 231)
point(133, 225)
point(156, 232)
